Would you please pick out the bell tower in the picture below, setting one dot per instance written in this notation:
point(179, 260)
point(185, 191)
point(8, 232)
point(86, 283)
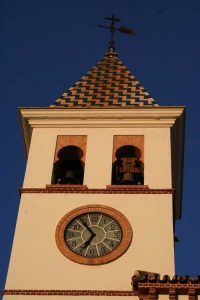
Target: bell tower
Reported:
point(102, 189)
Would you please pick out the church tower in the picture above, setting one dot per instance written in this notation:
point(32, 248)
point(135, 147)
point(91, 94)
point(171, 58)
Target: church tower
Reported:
point(102, 189)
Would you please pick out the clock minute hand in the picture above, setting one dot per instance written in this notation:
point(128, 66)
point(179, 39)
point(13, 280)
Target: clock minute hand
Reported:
point(89, 229)
point(88, 242)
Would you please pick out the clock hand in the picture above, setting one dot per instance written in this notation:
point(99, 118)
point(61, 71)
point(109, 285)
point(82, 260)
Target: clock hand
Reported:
point(89, 229)
point(88, 242)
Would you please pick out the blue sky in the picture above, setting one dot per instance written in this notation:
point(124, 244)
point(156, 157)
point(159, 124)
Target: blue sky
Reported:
point(47, 45)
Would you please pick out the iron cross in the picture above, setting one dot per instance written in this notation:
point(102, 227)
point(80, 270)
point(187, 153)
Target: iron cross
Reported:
point(112, 28)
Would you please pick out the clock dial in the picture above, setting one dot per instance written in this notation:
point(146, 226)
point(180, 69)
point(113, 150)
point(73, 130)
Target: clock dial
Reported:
point(93, 234)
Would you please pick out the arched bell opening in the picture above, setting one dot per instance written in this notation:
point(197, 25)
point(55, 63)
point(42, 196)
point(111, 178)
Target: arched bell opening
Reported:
point(128, 169)
point(69, 168)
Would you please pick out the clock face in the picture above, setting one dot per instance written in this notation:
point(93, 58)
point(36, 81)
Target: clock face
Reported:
point(93, 234)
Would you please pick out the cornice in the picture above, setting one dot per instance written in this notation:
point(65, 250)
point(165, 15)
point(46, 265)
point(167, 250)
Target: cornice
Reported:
point(138, 117)
point(135, 117)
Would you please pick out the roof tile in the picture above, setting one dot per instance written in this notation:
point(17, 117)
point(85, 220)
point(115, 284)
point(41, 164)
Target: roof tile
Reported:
point(107, 84)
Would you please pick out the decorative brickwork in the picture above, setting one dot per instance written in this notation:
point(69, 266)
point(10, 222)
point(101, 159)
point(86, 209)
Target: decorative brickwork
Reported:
point(148, 285)
point(107, 84)
point(152, 293)
point(81, 189)
point(69, 292)
point(67, 186)
point(172, 293)
point(192, 294)
point(127, 187)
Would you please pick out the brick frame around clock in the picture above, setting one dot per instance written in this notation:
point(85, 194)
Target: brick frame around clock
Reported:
point(127, 234)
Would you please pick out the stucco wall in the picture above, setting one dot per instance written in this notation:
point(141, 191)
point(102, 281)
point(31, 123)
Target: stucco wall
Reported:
point(36, 262)
point(98, 164)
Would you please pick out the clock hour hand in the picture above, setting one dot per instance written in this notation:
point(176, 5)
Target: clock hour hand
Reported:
point(87, 243)
point(88, 228)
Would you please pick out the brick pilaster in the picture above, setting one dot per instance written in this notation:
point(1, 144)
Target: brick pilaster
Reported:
point(192, 294)
point(172, 294)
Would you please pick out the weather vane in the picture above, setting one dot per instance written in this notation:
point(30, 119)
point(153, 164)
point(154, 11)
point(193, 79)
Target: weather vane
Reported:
point(112, 30)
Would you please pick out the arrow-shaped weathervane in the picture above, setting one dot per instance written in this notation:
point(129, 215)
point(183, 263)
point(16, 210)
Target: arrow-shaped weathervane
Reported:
point(113, 29)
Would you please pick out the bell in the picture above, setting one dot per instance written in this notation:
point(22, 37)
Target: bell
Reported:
point(69, 178)
point(127, 179)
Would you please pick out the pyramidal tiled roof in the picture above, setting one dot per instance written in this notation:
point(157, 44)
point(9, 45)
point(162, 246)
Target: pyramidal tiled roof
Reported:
point(108, 84)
